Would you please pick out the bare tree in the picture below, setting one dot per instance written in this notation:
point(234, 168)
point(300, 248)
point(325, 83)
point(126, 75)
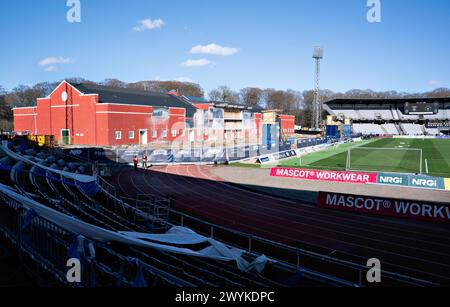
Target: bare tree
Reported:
point(439, 92)
point(75, 80)
point(43, 89)
point(287, 101)
point(114, 83)
point(224, 94)
point(6, 117)
point(151, 86)
point(183, 88)
point(251, 96)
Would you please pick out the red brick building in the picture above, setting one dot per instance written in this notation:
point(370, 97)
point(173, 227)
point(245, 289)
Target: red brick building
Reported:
point(89, 114)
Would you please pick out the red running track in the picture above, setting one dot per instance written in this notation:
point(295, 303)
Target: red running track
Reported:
point(416, 249)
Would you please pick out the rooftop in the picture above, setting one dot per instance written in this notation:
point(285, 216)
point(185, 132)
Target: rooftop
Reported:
point(118, 95)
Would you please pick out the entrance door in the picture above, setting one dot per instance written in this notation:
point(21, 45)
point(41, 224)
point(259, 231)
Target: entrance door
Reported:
point(191, 136)
point(143, 137)
point(65, 136)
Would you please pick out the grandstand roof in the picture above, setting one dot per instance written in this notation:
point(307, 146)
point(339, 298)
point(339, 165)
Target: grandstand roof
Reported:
point(236, 106)
point(387, 100)
point(195, 99)
point(109, 94)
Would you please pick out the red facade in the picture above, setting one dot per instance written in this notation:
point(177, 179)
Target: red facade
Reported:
point(79, 119)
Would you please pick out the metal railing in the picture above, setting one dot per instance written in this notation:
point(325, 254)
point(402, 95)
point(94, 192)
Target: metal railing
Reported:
point(337, 270)
point(45, 249)
point(299, 258)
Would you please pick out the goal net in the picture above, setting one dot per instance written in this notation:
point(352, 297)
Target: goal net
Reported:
point(396, 160)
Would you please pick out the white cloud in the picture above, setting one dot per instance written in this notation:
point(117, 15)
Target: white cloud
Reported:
point(214, 49)
point(51, 64)
point(196, 63)
point(55, 60)
point(51, 68)
point(148, 24)
point(434, 82)
point(184, 79)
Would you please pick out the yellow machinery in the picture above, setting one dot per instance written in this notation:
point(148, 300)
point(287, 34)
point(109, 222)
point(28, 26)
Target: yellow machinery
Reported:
point(42, 140)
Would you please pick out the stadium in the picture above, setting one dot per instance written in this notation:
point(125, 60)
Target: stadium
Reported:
point(409, 136)
point(280, 211)
point(153, 184)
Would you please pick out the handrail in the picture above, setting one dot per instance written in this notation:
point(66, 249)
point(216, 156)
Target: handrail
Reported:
point(50, 259)
point(251, 240)
point(298, 252)
point(360, 269)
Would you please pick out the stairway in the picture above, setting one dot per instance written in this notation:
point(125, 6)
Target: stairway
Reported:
point(395, 114)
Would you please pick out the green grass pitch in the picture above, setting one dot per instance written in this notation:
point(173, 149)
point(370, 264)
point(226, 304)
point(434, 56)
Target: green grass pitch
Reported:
point(435, 151)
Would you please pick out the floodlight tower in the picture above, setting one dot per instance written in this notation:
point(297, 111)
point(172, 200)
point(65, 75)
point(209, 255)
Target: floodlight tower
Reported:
point(317, 106)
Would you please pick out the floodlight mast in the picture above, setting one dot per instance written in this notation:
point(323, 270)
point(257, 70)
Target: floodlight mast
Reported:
point(317, 105)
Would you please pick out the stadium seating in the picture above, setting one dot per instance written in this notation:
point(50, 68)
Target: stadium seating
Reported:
point(376, 114)
point(390, 129)
point(407, 117)
point(368, 129)
point(412, 129)
point(395, 114)
point(432, 131)
point(389, 119)
point(442, 115)
point(367, 114)
point(31, 173)
point(348, 113)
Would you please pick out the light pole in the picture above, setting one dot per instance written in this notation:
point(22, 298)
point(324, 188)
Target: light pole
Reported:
point(317, 106)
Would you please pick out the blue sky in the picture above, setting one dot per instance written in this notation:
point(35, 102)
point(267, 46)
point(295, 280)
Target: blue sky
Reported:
point(270, 43)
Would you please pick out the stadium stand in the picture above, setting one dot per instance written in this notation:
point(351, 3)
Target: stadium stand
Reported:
point(390, 129)
point(368, 129)
point(349, 113)
point(412, 129)
point(65, 208)
point(405, 116)
point(432, 131)
point(376, 114)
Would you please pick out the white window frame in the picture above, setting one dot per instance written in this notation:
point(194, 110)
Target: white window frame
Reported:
point(154, 134)
point(131, 137)
point(174, 133)
point(118, 133)
point(164, 133)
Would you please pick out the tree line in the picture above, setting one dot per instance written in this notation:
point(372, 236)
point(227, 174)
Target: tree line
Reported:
point(288, 101)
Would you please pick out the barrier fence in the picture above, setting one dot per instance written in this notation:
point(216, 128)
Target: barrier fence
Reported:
point(405, 180)
point(317, 264)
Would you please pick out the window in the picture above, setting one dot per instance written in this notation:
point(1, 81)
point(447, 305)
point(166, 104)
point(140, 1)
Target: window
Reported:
point(174, 133)
point(131, 135)
point(247, 115)
point(118, 135)
point(154, 134)
point(182, 133)
point(218, 113)
point(164, 133)
point(161, 113)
